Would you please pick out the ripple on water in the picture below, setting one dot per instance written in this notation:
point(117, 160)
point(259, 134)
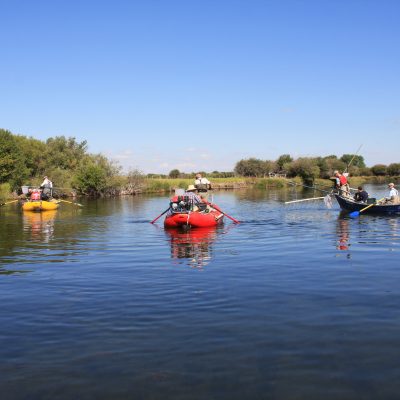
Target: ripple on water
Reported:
point(292, 302)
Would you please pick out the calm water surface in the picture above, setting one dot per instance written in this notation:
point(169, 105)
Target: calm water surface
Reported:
point(296, 302)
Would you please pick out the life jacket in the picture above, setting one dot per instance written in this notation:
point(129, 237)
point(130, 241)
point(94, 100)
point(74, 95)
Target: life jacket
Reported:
point(342, 180)
point(35, 196)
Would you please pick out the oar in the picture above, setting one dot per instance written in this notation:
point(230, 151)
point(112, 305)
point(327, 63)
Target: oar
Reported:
point(70, 202)
point(357, 213)
point(218, 209)
point(8, 202)
point(155, 219)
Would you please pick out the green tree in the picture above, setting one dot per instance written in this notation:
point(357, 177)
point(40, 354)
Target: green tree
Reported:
point(34, 153)
point(250, 167)
point(282, 160)
point(64, 153)
point(306, 168)
point(12, 166)
point(365, 171)
point(333, 164)
point(97, 176)
point(90, 179)
point(174, 173)
point(357, 161)
point(379, 169)
point(393, 169)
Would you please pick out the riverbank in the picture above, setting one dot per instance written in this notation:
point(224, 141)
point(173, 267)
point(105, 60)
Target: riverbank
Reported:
point(168, 185)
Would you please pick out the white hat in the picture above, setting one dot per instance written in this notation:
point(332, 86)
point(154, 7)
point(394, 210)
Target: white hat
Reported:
point(190, 188)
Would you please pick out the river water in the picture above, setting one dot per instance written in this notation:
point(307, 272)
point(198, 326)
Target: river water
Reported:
point(295, 302)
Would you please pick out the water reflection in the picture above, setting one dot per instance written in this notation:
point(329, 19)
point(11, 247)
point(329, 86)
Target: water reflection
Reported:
point(195, 245)
point(343, 235)
point(394, 226)
point(40, 225)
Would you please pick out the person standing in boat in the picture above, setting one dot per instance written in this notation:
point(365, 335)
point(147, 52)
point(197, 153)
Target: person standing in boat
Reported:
point(361, 195)
point(394, 197)
point(203, 185)
point(47, 188)
point(341, 184)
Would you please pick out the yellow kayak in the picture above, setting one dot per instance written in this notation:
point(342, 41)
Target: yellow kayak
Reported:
point(40, 205)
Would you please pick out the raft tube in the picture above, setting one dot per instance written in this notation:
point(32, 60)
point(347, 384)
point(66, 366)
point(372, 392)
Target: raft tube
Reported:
point(40, 205)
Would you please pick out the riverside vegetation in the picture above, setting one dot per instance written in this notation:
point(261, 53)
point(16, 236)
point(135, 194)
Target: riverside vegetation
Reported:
point(24, 160)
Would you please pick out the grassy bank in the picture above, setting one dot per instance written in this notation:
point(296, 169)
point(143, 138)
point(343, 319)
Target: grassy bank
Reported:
point(168, 185)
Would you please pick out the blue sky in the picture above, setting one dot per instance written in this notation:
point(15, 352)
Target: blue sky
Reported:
point(199, 85)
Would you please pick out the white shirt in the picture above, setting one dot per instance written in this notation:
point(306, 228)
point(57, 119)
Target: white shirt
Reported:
point(47, 183)
point(203, 181)
point(393, 192)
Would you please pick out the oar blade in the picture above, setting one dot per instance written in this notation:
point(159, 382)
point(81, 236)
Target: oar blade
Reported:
point(354, 214)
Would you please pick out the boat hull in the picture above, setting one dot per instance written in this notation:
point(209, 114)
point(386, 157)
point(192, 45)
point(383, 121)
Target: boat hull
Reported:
point(40, 205)
point(350, 206)
point(194, 219)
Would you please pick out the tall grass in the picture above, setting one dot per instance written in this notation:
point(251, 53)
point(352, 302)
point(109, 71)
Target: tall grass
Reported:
point(169, 185)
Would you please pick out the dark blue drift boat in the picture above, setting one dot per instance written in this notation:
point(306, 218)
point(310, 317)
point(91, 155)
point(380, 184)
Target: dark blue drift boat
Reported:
point(350, 205)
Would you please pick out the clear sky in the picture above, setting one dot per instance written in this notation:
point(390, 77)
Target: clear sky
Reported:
point(199, 85)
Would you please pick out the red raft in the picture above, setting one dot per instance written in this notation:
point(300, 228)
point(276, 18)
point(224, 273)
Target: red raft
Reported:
point(183, 213)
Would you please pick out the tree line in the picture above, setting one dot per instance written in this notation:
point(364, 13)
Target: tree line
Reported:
point(307, 168)
point(25, 160)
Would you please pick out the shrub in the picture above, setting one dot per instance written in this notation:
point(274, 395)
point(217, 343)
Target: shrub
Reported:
point(5, 191)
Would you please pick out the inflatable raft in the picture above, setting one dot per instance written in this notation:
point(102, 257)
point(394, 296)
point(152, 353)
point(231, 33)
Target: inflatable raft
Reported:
point(40, 205)
point(183, 213)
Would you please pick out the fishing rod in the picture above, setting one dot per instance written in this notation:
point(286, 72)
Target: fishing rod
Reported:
point(354, 156)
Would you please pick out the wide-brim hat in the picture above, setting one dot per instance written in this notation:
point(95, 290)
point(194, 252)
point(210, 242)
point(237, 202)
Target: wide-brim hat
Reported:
point(190, 188)
point(391, 184)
